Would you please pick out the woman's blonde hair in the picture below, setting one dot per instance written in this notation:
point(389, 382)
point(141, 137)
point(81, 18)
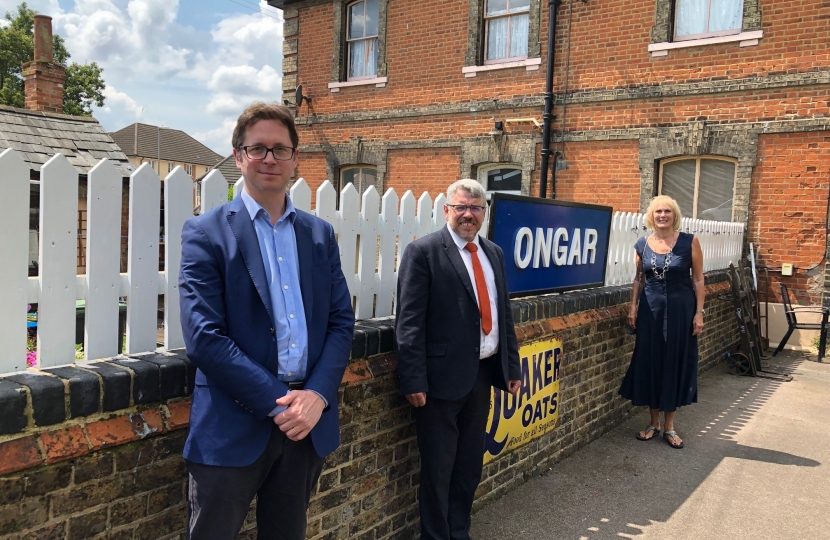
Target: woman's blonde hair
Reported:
point(668, 201)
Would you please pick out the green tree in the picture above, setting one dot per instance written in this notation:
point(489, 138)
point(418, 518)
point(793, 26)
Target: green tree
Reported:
point(82, 89)
point(84, 84)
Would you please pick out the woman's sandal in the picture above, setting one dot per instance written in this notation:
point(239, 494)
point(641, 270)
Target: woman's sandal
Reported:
point(649, 429)
point(669, 435)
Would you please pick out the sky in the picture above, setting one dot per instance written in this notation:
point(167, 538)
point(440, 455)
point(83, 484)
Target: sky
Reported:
point(191, 65)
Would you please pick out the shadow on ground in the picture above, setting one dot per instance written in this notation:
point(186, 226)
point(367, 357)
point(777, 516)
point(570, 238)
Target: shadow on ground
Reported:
point(750, 448)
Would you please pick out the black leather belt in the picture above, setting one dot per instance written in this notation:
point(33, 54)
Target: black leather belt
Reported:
point(296, 385)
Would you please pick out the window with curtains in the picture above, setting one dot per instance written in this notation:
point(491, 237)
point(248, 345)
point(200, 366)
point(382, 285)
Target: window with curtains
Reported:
point(506, 25)
point(696, 19)
point(703, 187)
point(362, 39)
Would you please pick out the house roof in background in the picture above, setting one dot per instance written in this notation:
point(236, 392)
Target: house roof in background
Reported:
point(228, 169)
point(37, 136)
point(143, 140)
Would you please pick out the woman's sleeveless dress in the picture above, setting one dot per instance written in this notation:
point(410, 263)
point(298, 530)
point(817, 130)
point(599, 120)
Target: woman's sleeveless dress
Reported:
point(663, 369)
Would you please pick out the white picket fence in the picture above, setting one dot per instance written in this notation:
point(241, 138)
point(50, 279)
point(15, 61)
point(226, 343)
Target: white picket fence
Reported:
point(369, 244)
point(371, 231)
point(720, 241)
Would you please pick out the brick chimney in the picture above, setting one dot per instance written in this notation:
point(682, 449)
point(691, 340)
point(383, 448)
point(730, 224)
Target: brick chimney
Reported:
point(43, 79)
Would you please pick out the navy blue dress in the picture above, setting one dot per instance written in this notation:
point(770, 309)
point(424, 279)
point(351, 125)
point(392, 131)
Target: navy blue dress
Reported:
point(663, 370)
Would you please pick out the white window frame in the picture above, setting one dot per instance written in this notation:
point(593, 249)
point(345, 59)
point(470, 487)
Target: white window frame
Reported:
point(349, 41)
point(698, 159)
point(704, 35)
point(188, 168)
point(170, 166)
point(483, 171)
point(507, 16)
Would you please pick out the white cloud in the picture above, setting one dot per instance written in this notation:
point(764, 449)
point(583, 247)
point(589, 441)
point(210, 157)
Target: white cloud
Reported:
point(245, 80)
point(197, 79)
point(218, 137)
point(241, 40)
point(225, 103)
point(136, 41)
point(235, 87)
point(116, 100)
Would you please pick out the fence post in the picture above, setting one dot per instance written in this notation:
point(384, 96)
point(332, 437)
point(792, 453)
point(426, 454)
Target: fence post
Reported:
point(388, 226)
point(438, 217)
point(425, 223)
point(349, 220)
point(301, 195)
point(58, 262)
point(214, 191)
point(143, 260)
point(178, 208)
point(327, 206)
point(103, 261)
point(367, 254)
point(408, 223)
point(14, 237)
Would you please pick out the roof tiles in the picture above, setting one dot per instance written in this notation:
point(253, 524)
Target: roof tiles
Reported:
point(144, 140)
point(37, 136)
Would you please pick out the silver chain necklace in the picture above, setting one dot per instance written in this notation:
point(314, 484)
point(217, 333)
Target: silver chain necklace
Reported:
point(660, 274)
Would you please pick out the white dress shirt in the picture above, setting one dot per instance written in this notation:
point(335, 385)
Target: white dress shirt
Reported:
point(489, 342)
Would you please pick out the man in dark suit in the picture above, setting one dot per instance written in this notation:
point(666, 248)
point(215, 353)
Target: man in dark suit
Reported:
point(455, 340)
point(268, 322)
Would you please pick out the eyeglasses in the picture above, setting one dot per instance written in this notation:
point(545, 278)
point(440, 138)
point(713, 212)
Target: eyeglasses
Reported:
point(461, 209)
point(259, 152)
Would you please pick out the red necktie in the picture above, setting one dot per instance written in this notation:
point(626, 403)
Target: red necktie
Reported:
point(481, 290)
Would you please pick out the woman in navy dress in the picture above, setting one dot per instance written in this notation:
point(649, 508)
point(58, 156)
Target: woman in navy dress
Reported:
point(667, 315)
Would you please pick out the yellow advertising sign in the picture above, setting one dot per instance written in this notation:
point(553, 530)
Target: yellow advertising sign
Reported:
point(516, 420)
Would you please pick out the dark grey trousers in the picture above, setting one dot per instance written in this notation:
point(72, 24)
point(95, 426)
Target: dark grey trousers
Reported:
point(451, 444)
point(282, 479)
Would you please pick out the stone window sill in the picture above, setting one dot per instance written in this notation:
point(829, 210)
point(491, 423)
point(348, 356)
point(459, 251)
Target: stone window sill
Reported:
point(379, 82)
point(531, 64)
point(746, 39)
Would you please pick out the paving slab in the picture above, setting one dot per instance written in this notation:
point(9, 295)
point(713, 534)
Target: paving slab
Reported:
point(756, 466)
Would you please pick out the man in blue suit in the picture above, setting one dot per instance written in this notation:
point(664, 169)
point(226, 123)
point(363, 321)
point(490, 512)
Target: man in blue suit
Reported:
point(267, 320)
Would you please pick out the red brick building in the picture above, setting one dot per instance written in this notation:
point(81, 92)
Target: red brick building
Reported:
point(725, 105)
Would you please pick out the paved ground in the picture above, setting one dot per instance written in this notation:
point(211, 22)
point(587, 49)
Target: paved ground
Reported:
point(756, 466)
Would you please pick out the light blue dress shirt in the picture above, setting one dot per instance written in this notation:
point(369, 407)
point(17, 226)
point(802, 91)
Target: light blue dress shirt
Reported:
point(278, 246)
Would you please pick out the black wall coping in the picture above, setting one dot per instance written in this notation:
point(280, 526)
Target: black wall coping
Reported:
point(124, 381)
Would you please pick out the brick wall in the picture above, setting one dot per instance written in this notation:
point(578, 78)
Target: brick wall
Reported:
point(94, 451)
point(603, 172)
point(425, 169)
point(789, 220)
point(312, 167)
point(618, 109)
point(608, 43)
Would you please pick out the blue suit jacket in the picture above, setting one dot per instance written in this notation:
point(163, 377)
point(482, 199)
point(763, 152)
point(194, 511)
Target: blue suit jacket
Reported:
point(229, 333)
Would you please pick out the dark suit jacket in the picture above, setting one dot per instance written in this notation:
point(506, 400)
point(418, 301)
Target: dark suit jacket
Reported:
point(229, 333)
point(437, 320)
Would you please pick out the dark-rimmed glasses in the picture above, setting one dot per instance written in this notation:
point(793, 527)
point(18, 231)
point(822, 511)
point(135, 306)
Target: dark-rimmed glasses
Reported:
point(461, 209)
point(259, 152)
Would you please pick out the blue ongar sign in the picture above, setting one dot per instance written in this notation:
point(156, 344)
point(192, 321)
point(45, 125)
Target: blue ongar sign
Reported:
point(550, 245)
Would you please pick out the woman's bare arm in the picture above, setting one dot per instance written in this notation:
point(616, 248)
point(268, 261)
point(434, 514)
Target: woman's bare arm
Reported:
point(699, 286)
